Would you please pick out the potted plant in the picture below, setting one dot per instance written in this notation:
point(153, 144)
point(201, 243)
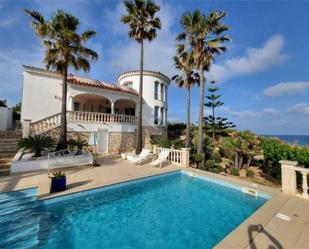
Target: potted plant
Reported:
point(58, 182)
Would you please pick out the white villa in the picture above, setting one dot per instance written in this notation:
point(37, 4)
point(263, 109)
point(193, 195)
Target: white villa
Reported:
point(94, 106)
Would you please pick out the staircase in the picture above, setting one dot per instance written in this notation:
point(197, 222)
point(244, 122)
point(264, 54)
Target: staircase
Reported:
point(8, 149)
point(18, 220)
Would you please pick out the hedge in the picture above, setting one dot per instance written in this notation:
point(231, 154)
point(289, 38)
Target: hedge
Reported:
point(275, 150)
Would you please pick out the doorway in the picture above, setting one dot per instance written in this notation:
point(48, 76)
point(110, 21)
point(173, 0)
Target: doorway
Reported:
point(102, 141)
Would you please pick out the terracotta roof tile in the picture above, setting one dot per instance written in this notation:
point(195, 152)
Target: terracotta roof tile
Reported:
point(99, 84)
point(76, 80)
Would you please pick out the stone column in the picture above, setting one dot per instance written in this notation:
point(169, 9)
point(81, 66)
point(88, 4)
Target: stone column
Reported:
point(154, 149)
point(185, 157)
point(26, 127)
point(288, 177)
point(305, 184)
point(112, 108)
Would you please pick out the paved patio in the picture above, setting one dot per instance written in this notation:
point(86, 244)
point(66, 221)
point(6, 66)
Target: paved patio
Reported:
point(261, 230)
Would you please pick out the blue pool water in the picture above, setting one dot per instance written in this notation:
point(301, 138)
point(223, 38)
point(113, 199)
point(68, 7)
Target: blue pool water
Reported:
point(170, 211)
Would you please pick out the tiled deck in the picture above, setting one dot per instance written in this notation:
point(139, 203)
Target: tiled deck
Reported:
point(261, 230)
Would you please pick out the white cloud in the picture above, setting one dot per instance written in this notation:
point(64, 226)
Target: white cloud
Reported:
point(254, 60)
point(158, 54)
point(289, 88)
point(270, 111)
point(301, 108)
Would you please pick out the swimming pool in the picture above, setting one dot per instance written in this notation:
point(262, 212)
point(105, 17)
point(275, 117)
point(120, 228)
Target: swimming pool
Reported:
point(173, 210)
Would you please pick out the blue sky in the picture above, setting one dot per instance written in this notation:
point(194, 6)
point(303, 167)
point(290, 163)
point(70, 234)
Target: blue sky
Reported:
point(264, 75)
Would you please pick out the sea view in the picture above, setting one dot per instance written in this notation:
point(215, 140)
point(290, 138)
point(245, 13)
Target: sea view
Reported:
point(293, 139)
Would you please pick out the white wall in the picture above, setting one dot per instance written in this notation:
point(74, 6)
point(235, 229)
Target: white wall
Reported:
point(41, 95)
point(89, 127)
point(149, 102)
point(6, 118)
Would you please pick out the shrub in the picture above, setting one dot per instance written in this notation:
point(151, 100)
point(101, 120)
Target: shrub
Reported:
point(216, 156)
point(78, 143)
point(249, 173)
point(210, 164)
point(177, 144)
point(36, 143)
point(217, 169)
point(199, 157)
point(234, 172)
point(275, 150)
point(161, 141)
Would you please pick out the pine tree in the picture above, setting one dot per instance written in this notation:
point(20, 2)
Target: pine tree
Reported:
point(213, 124)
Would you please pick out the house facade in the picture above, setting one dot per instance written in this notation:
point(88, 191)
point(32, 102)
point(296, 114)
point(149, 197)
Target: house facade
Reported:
point(95, 107)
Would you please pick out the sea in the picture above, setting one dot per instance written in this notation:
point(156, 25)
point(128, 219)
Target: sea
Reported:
point(302, 140)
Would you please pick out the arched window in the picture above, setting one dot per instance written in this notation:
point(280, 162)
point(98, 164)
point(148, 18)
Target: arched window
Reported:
point(156, 89)
point(128, 84)
point(162, 92)
point(156, 115)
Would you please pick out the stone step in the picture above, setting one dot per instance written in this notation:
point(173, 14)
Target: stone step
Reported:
point(10, 135)
point(5, 160)
point(4, 155)
point(9, 146)
point(5, 172)
point(9, 141)
point(5, 165)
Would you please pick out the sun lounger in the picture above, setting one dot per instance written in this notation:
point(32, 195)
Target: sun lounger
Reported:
point(162, 158)
point(138, 159)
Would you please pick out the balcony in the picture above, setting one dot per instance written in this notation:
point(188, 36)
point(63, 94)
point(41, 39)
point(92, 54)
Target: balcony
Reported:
point(52, 122)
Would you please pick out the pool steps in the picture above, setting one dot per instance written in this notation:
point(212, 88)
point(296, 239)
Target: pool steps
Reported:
point(16, 224)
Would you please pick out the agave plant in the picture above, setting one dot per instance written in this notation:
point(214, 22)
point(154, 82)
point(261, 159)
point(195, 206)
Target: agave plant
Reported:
point(78, 143)
point(36, 143)
point(58, 175)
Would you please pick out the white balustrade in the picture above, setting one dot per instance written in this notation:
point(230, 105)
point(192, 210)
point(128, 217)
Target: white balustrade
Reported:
point(177, 157)
point(74, 116)
point(97, 117)
point(289, 179)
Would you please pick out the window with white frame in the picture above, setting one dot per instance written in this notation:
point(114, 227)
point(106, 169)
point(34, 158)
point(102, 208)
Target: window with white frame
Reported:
point(128, 84)
point(156, 115)
point(162, 116)
point(156, 90)
point(162, 92)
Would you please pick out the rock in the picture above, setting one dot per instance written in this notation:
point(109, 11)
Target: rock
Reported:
point(242, 173)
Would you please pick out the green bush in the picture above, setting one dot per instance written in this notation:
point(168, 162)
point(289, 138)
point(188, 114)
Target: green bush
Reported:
point(234, 172)
point(216, 156)
point(199, 157)
point(249, 173)
point(177, 144)
point(161, 141)
point(217, 169)
point(36, 143)
point(210, 164)
point(78, 143)
point(275, 150)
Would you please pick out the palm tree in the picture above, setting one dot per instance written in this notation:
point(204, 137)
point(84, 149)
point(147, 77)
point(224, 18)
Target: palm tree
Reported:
point(143, 25)
point(203, 37)
point(63, 48)
point(184, 62)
